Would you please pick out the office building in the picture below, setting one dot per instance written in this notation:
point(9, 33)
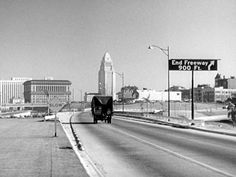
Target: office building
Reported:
point(12, 90)
point(44, 91)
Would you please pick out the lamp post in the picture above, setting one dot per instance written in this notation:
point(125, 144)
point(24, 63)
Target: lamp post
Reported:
point(122, 77)
point(81, 98)
point(167, 53)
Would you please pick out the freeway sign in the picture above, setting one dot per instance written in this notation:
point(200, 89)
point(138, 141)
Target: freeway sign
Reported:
point(193, 64)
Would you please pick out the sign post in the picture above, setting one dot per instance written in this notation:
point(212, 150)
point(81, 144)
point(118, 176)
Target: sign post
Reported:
point(193, 65)
point(55, 106)
point(192, 95)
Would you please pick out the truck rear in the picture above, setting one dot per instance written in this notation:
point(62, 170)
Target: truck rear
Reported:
point(102, 108)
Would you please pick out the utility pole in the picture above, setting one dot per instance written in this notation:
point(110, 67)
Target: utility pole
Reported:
point(122, 88)
point(192, 94)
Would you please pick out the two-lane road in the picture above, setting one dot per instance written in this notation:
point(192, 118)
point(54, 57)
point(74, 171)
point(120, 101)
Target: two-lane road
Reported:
point(129, 148)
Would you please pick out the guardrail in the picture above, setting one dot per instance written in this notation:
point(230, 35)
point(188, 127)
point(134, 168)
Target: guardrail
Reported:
point(138, 113)
point(155, 117)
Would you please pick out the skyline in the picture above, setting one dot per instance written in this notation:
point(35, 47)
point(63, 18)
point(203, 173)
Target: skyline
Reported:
point(67, 40)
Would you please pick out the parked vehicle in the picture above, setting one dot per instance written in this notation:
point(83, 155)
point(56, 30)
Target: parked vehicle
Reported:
point(51, 116)
point(102, 108)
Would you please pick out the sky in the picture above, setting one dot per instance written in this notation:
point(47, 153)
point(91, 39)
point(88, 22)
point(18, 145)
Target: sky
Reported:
point(67, 40)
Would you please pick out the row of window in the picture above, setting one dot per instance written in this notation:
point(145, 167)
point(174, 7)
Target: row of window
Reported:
point(49, 88)
point(42, 99)
point(225, 92)
point(11, 90)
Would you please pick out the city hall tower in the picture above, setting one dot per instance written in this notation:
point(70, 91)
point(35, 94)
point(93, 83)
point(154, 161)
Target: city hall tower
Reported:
point(106, 77)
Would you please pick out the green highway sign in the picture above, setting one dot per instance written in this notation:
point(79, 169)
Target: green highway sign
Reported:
point(193, 64)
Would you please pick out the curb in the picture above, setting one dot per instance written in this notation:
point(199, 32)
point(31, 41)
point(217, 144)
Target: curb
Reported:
point(213, 131)
point(84, 158)
point(79, 145)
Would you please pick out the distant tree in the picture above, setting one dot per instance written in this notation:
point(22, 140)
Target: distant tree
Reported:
point(134, 90)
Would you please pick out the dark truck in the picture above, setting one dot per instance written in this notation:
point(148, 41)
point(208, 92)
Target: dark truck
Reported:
point(102, 108)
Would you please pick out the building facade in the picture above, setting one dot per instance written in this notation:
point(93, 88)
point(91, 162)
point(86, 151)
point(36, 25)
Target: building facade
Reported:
point(185, 93)
point(232, 82)
point(106, 77)
point(44, 91)
point(221, 94)
point(153, 95)
point(226, 83)
point(11, 90)
point(204, 93)
point(221, 82)
point(89, 96)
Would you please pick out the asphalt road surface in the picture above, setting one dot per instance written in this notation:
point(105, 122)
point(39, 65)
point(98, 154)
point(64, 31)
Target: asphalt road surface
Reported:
point(129, 148)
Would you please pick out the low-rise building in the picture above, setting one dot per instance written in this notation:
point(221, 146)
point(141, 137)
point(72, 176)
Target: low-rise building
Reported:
point(153, 95)
point(208, 94)
point(226, 83)
point(232, 82)
point(89, 96)
point(204, 93)
point(221, 94)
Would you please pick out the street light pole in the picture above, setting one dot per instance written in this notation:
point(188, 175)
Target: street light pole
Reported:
point(167, 53)
point(123, 78)
point(81, 98)
point(123, 103)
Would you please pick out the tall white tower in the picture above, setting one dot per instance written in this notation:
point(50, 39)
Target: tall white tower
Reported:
point(106, 77)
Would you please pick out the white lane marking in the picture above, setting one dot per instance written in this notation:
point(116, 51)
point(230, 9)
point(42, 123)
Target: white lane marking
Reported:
point(174, 153)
